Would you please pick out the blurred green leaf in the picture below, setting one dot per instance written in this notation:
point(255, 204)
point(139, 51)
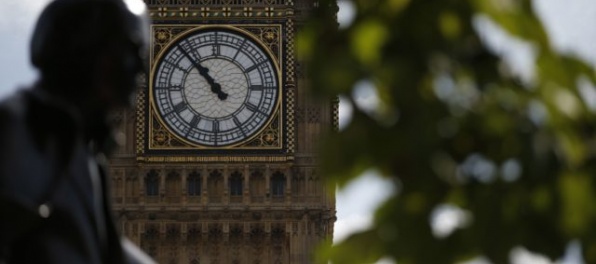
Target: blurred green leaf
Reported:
point(577, 196)
point(450, 116)
point(367, 40)
point(450, 25)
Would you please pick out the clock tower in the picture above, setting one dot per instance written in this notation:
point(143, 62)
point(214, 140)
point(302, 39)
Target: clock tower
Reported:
point(219, 161)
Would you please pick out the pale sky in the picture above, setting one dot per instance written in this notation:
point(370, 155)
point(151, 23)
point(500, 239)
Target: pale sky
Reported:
point(569, 22)
point(17, 18)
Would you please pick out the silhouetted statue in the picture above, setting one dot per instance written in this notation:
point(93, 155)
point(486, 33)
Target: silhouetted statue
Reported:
point(54, 202)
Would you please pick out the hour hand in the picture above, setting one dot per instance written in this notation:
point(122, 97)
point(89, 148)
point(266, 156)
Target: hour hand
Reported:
point(216, 88)
point(203, 71)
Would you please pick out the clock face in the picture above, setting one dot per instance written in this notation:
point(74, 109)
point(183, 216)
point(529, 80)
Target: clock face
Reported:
point(215, 87)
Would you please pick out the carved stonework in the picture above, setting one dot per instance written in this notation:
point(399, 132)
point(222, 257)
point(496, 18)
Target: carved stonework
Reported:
point(218, 9)
point(258, 202)
point(140, 122)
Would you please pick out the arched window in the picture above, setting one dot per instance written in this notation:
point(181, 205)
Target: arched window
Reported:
point(152, 183)
point(236, 184)
point(193, 183)
point(278, 184)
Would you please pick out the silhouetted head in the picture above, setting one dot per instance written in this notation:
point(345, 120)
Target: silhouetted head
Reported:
point(91, 51)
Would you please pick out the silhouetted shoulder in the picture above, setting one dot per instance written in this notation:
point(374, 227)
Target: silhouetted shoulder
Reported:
point(10, 108)
point(25, 169)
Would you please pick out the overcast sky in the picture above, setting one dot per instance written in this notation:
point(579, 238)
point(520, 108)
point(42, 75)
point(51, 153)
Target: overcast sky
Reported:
point(569, 22)
point(16, 23)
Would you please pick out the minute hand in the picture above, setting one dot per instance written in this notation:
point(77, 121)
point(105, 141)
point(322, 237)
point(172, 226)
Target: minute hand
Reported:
point(203, 71)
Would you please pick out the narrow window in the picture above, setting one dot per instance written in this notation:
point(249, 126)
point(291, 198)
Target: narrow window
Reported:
point(152, 183)
point(236, 184)
point(194, 184)
point(278, 184)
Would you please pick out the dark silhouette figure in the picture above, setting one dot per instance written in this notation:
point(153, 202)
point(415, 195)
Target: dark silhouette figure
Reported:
point(54, 201)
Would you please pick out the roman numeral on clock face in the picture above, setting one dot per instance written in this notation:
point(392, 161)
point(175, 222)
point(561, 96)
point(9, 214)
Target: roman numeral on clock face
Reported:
point(239, 125)
point(216, 50)
point(215, 126)
point(180, 107)
point(254, 108)
point(254, 66)
point(239, 49)
point(195, 121)
point(257, 87)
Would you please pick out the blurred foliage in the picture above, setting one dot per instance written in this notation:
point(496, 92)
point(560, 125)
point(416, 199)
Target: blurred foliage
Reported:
point(455, 126)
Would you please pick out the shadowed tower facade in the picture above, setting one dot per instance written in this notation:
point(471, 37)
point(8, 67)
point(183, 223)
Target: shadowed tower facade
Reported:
point(219, 161)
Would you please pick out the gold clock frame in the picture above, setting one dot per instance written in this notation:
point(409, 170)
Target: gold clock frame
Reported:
point(272, 136)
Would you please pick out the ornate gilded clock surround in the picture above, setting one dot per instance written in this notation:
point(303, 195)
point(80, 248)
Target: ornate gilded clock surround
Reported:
point(267, 36)
point(275, 142)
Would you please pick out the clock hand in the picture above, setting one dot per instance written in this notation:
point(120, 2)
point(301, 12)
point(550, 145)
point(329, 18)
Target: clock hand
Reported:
point(203, 71)
point(215, 87)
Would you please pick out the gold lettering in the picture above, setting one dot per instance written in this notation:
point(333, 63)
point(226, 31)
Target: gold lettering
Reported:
point(227, 159)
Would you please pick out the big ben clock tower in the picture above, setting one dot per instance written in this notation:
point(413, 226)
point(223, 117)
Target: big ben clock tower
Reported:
point(219, 156)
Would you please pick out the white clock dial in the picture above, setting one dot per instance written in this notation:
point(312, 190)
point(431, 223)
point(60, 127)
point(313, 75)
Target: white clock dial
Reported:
point(215, 87)
point(204, 101)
